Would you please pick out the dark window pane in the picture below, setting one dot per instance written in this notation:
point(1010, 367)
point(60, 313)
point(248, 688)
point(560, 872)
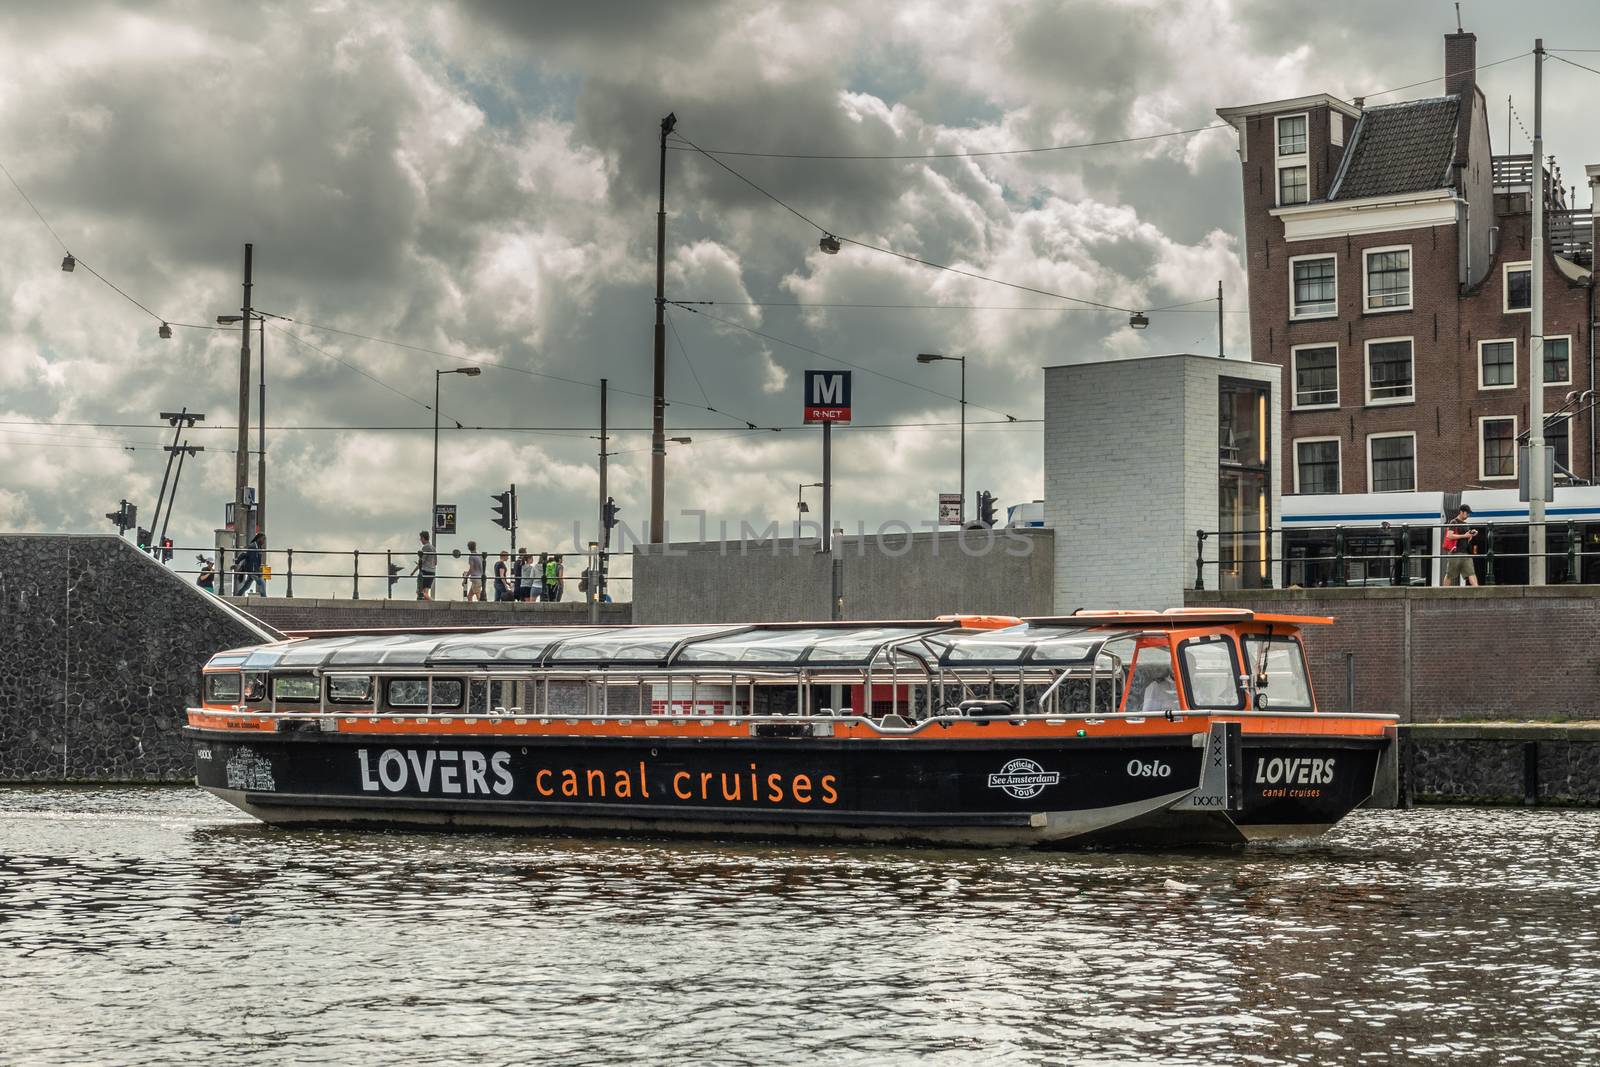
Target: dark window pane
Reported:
point(1389, 279)
point(1519, 288)
point(1389, 367)
point(1499, 448)
point(1499, 363)
point(1314, 287)
point(1557, 360)
point(1292, 135)
point(1319, 466)
point(1316, 377)
point(1394, 468)
point(1292, 188)
point(1242, 424)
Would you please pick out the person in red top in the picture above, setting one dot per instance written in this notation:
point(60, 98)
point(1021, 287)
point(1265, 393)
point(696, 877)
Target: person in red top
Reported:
point(1459, 540)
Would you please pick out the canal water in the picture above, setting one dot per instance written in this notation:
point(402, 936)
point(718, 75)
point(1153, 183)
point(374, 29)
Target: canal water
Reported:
point(155, 926)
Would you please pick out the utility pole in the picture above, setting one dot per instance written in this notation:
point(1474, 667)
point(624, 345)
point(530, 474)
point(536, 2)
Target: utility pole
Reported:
point(658, 423)
point(1536, 471)
point(597, 580)
point(1221, 353)
point(241, 473)
point(182, 450)
point(179, 421)
point(261, 455)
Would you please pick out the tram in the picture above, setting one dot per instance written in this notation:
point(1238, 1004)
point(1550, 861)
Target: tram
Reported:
point(1395, 538)
point(1184, 727)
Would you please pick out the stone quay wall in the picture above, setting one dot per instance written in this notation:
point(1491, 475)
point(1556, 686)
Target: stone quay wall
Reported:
point(100, 655)
point(1489, 654)
point(1501, 763)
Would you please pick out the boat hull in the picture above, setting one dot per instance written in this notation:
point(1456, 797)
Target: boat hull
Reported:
point(1023, 792)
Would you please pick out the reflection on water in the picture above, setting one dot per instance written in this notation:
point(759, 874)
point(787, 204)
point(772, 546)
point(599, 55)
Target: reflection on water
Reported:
point(154, 926)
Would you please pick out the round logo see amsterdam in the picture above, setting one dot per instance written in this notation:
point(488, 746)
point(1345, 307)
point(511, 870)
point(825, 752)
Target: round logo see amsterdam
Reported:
point(1023, 778)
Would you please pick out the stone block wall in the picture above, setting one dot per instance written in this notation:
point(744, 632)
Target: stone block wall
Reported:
point(1448, 655)
point(100, 653)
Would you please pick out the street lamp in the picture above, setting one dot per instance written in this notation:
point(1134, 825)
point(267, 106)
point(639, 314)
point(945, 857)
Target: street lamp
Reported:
point(800, 505)
point(934, 357)
point(1138, 320)
point(438, 376)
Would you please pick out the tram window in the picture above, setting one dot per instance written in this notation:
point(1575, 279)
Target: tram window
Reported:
point(296, 688)
point(1210, 674)
point(413, 693)
point(349, 689)
point(1288, 685)
point(222, 688)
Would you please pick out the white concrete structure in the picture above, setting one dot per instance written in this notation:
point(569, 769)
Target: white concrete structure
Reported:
point(1134, 459)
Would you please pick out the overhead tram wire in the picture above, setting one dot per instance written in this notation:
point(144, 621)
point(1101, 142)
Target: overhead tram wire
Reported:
point(839, 359)
point(941, 307)
point(573, 431)
point(688, 146)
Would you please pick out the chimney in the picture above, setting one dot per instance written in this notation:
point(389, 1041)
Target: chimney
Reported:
point(1460, 64)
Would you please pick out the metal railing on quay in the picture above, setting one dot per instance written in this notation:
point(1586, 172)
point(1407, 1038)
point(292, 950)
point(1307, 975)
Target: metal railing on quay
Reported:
point(1389, 554)
point(350, 569)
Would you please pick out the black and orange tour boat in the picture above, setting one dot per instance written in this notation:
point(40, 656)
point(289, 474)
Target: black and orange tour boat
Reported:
point(1185, 726)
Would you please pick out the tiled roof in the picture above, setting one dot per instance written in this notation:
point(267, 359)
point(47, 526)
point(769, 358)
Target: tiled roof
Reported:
point(1399, 148)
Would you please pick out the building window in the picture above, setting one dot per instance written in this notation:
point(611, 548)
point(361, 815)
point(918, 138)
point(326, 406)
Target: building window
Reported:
point(1497, 364)
point(1389, 379)
point(1244, 505)
point(1388, 281)
point(1316, 376)
point(1558, 361)
point(1497, 447)
point(1292, 185)
point(1518, 287)
point(1292, 135)
point(1316, 465)
point(1559, 438)
point(1314, 290)
point(1294, 172)
point(1392, 462)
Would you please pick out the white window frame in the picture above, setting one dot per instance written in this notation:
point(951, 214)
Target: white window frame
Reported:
point(1505, 286)
point(1366, 371)
point(1295, 315)
point(1282, 162)
point(1338, 478)
point(1415, 477)
point(1483, 475)
point(1512, 341)
point(1294, 379)
point(1366, 279)
point(1567, 337)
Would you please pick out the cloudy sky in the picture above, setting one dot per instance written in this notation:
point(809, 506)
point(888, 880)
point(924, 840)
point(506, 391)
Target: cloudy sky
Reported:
point(479, 180)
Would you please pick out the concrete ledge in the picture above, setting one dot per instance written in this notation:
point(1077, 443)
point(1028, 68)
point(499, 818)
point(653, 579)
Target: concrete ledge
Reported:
point(1503, 731)
point(1249, 597)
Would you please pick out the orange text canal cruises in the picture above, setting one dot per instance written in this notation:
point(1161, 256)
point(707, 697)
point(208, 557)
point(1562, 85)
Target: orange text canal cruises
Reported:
point(1178, 727)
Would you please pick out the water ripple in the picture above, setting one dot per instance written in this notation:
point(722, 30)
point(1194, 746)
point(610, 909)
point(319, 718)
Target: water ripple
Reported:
point(151, 926)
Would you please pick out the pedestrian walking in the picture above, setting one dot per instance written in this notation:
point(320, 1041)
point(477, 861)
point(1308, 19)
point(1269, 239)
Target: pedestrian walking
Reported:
point(473, 580)
point(503, 589)
point(1459, 544)
point(208, 575)
point(525, 579)
point(554, 571)
point(427, 566)
point(249, 564)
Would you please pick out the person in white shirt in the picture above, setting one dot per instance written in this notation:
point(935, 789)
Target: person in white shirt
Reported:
point(1161, 694)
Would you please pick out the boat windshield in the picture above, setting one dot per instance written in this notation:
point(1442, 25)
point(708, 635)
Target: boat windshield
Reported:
point(1288, 686)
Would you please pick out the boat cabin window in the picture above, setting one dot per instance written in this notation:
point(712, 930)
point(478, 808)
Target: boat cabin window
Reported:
point(1211, 672)
point(1151, 685)
point(296, 688)
point(255, 687)
point(413, 693)
point(349, 689)
point(1283, 659)
point(222, 688)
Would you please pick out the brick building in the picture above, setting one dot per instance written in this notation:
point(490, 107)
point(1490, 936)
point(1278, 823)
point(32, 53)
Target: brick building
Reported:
point(1388, 258)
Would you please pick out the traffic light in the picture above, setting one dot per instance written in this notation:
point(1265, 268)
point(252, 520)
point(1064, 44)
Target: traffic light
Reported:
point(986, 508)
point(166, 550)
point(394, 575)
point(125, 517)
point(142, 539)
point(610, 513)
point(505, 508)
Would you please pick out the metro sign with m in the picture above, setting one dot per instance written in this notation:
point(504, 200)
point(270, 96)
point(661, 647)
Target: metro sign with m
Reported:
point(827, 396)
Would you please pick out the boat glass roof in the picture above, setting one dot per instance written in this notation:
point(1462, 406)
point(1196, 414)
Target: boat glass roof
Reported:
point(633, 644)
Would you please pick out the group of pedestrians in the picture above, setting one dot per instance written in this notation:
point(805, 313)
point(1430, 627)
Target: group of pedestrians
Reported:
point(524, 578)
point(528, 579)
